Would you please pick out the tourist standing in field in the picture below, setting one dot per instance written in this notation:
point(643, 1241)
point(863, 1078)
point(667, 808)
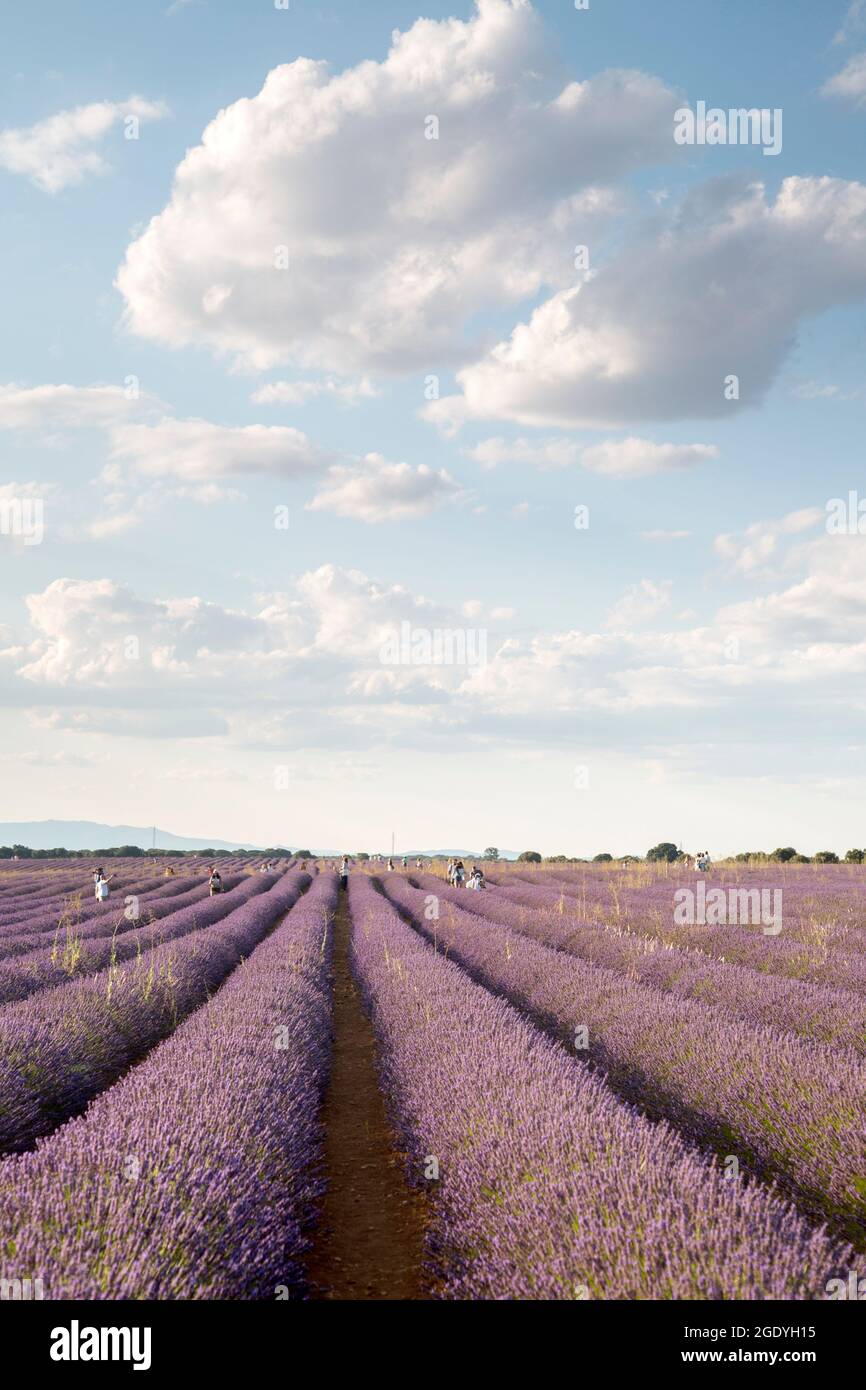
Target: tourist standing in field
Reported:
point(459, 874)
point(344, 873)
point(215, 881)
point(102, 888)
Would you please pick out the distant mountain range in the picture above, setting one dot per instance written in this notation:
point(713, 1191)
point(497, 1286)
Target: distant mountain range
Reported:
point(88, 834)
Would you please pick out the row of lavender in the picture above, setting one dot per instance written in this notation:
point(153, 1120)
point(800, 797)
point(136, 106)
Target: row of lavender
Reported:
point(836, 963)
point(786, 1111)
point(547, 1186)
point(79, 922)
point(74, 901)
point(75, 954)
point(64, 1045)
point(65, 929)
point(821, 1013)
point(197, 1174)
point(823, 905)
point(63, 887)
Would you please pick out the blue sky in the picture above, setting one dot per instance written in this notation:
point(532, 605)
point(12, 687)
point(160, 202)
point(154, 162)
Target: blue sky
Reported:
point(167, 654)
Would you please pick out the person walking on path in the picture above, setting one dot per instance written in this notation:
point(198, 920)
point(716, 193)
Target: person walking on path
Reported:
point(344, 873)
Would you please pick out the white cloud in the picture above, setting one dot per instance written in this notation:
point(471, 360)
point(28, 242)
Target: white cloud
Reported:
point(855, 17)
point(63, 149)
point(539, 453)
point(661, 535)
point(98, 633)
point(303, 668)
point(821, 617)
point(752, 553)
point(11, 492)
point(850, 82)
point(123, 512)
point(394, 240)
point(300, 392)
point(813, 390)
point(61, 407)
point(622, 458)
point(635, 458)
point(640, 604)
point(713, 289)
point(374, 490)
point(149, 452)
point(198, 450)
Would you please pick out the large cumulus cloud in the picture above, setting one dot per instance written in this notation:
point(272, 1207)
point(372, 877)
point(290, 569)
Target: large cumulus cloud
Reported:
point(393, 240)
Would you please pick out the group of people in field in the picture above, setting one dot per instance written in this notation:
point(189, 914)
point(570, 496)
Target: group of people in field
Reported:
point(702, 860)
point(455, 872)
point(102, 890)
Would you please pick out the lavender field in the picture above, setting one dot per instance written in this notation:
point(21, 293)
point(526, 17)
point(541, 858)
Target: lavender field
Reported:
point(583, 1082)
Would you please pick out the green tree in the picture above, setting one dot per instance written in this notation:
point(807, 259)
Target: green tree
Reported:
point(826, 856)
point(492, 853)
point(529, 856)
point(664, 851)
point(603, 859)
point(854, 856)
point(783, 855)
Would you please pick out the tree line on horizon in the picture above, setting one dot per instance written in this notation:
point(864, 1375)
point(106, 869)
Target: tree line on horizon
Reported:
point(134, 852)
point(664, 852)
point(667, 852)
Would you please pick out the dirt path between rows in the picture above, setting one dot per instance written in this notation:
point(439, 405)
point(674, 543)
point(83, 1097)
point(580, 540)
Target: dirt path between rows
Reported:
point(369, 1239)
